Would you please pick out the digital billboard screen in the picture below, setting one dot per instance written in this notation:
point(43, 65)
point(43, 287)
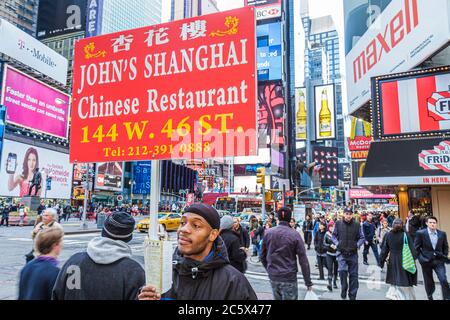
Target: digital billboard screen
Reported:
point(269, 51)
point(60, 17)
point(141, 177)
point(109, 176)
point(325, 112)
point(18, 163)
point(33, 104)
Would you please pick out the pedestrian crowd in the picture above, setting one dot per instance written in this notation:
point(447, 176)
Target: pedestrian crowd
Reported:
point(211, 257)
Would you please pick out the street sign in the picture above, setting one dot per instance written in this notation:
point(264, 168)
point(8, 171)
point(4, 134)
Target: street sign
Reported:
point(180, 90)
point(49, 183)
point(119, 198)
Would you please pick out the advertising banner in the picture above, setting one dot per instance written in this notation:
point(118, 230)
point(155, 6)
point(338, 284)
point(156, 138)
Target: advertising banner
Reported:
point(266, 9)
point(180, 90)
point(269, 51)
point(366, 194)
point(326, 164)
point(141, 177)
point(22, 47)
point(357, 171)
point(301, 114)
point(416, 102)
point(60, 17)
point(271, 104)
point(325, 112)
point(402, 36)
point(33, 104)
point(94, 13)
point(109, 176)
point(19, 162)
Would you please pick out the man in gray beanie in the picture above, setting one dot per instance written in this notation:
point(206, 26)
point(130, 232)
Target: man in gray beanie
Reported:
point(105, 271)
point(236, 254)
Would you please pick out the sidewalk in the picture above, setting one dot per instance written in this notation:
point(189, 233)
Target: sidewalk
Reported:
point(74, 227)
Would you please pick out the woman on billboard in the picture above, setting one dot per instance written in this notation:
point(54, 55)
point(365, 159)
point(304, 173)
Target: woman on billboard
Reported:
point(30, 163)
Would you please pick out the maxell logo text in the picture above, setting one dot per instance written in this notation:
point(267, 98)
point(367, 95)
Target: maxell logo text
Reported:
point(394, 33)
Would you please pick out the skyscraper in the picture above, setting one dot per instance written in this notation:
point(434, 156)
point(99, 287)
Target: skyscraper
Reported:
point(123, 15)
point(21, 13)
point(181, 9)
point(115, 15)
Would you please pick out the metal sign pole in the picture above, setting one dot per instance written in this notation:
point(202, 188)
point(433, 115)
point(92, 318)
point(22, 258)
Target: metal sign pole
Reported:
point(155, 183)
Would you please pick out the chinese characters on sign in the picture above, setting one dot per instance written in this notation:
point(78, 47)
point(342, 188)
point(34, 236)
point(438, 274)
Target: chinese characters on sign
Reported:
point(168, 91)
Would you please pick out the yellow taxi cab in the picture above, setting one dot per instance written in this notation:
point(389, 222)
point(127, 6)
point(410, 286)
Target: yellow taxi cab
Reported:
point(169, 221)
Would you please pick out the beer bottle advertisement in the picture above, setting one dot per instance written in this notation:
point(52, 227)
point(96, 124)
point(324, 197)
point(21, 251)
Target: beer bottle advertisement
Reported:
point(325, 112)
point(301, 114)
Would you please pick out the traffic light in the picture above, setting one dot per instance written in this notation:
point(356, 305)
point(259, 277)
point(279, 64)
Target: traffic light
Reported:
point(261, 175)
point(268, 195)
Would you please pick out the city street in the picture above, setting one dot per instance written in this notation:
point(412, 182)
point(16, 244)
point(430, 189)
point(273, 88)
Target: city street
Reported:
point(16, 242)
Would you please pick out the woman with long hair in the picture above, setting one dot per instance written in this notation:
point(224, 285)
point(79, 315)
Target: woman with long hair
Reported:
point(30, 163)
point(402, 281)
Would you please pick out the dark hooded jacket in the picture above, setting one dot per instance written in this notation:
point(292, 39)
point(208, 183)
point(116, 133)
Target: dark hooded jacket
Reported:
point(212, 279)
point(104, 272)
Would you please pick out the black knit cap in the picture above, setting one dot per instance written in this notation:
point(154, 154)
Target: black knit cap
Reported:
point(119, 226)
point(284, 214)
point(207, 212)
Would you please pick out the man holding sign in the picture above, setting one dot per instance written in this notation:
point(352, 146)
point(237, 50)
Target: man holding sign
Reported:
point(202, 271)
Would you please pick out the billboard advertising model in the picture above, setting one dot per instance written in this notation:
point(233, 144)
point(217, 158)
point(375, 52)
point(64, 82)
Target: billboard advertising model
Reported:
point(33, 104)
point(18, 163)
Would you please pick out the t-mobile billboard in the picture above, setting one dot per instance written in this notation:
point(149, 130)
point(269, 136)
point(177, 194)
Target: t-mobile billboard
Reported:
point(18, 163)
point(33, 104)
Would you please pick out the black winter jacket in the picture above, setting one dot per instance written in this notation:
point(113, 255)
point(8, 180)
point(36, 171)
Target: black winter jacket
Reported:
point(214, 279)
point(319, 242)
point(236, 255)
point(105, 272)
point(244, 237)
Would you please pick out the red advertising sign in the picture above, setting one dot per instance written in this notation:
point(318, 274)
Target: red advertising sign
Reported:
point(414, 103)
point(180, 90)
point(359, 143)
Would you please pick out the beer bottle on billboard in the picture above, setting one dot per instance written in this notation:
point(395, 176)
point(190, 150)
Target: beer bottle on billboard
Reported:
point(301, 117)
point(325, 117)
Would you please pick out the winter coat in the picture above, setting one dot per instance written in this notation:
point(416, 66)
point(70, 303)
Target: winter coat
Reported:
point(257, 235)
point(244, 237)
point(392, 247)
point(381, 233)
point(280, 249)
point(369, 231)
point(319, 243)
point(211, 279)
point(236, 255)
point(307, 226)
point(328, 242)
point(106, 272)
point(37, 279)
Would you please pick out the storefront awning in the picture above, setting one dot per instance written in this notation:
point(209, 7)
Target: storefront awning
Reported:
point(408, 162)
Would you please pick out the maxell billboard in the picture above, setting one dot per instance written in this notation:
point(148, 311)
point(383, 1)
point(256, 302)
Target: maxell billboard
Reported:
point(405, 34)
point(60, 17)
